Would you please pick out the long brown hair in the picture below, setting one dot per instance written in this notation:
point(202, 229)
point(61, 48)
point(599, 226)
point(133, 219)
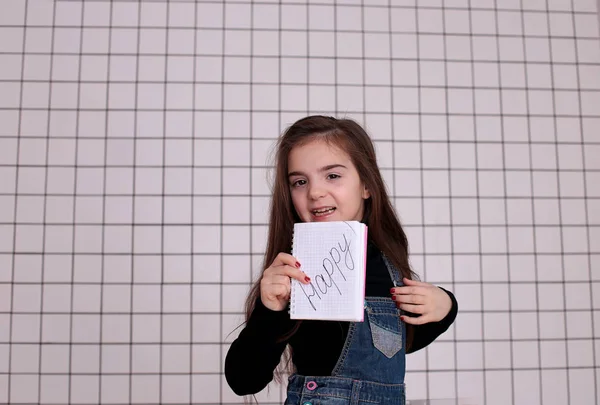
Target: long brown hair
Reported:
point(385, 230)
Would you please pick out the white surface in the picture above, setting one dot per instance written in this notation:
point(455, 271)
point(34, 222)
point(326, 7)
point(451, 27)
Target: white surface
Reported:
point(108, 169)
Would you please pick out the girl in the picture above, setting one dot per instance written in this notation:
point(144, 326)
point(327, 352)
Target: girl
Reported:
point(326, 170)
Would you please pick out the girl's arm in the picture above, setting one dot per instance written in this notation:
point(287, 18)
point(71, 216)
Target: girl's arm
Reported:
point(254, 355)
point(428, 332)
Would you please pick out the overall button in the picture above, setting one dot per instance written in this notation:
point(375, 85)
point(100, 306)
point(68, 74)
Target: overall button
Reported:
point(307, 403)
point(311, 385)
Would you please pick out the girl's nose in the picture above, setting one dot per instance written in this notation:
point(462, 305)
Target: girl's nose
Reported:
point(316, 192)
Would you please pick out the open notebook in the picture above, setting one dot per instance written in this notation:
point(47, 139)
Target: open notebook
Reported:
point(333, 255)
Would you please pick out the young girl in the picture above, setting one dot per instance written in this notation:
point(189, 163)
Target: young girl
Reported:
point(326, 170)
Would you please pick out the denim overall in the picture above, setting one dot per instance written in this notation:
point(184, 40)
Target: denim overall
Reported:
point(371, 366)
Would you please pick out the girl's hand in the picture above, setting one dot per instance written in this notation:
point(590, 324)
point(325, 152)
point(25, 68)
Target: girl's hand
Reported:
point(424, 299)
point(275, 285)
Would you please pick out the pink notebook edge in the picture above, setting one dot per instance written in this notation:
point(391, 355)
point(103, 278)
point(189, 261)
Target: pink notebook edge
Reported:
point(365, 272)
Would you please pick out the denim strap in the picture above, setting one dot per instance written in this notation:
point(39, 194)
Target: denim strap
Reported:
point(394, 273)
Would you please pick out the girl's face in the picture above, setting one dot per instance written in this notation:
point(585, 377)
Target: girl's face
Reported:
point(324, 184)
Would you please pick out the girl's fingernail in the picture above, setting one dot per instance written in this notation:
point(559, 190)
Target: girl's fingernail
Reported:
point(307, 279)
point(298, 264)
point(391, 290)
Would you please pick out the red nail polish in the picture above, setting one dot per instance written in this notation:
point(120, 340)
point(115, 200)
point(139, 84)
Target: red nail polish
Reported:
point(307, 279)
point(391, 290)
point(297, 265)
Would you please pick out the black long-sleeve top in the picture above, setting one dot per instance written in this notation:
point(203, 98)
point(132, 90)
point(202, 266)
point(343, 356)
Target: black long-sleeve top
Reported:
point(254, 355)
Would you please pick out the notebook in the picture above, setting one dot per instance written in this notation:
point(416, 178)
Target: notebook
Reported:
point(333, 255)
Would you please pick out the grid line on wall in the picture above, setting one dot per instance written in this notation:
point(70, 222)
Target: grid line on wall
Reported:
point(394, 139)
point(320, 30)
point(173, 254)
point(450, 208)
point(71, 383)
point(335, 54)
point(431, 169)
point(438, 370)
point(209, 343)
point(349, 112)
point(14, 232)
point(104, 299)
point(349, 5)
point(192, 213)
point(561, 242)
point(294, 57)
point(504, 187)
point(363, 117)
point(535, 257)
point(377, 142)
point(221, 195)
point(133, 279)
point(587, 216)
point(308, 75)
point(235, 224)
point(408, 197)
point(183, 374)
point(44, 216)
point(421, 181)
point(478, 200)
point(235, 82)
point(161, 380)
point(250, 155)
point(182, 283)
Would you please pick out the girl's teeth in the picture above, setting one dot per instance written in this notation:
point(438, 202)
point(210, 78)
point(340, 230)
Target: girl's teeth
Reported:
point(318, 213)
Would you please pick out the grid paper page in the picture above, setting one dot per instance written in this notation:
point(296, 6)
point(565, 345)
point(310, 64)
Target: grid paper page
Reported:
point(333, 255)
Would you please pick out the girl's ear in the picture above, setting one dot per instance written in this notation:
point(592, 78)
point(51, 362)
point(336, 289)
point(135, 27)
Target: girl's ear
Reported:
point(365, 193)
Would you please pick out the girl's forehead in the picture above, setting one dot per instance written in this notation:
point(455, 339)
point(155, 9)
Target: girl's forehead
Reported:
point(317, 157)
point(319, 147)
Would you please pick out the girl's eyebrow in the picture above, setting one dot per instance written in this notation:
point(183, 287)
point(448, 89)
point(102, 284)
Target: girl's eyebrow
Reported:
point(322, 169)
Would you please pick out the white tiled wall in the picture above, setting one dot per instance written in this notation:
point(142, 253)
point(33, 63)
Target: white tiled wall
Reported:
point(134, 146)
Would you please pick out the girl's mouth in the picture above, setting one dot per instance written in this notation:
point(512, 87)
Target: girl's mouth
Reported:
point(323, 212)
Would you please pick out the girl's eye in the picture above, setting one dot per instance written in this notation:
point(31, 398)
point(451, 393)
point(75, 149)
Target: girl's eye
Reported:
point(298, 183)
point(333, 176)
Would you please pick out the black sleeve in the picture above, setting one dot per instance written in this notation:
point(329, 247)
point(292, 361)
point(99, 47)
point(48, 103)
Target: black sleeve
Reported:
point(254, 355)
point(428, 332)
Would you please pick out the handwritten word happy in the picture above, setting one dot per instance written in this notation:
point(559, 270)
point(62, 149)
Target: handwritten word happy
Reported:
point(324, 281)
